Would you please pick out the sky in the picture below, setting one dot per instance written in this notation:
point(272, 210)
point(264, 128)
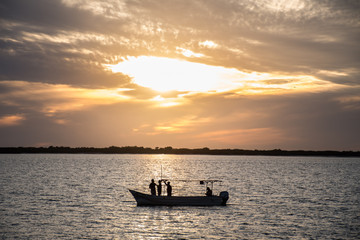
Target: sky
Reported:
point(250, 74)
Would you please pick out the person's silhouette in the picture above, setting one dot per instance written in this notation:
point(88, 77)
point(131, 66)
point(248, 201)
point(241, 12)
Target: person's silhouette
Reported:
point(159, 188)
point(152, 187)
point(208, 192)
point(168, 189)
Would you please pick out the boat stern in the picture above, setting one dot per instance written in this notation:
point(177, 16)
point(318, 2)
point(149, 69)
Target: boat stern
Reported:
point(225, 196)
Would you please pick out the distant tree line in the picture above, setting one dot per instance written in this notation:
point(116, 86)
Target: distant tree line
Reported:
point(170, 150)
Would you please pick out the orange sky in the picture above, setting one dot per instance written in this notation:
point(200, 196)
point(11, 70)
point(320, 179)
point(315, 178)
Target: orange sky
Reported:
point(155, 73)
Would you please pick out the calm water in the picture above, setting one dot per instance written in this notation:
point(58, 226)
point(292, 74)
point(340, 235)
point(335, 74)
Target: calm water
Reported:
point(86, 197)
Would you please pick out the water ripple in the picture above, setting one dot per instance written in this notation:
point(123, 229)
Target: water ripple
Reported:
point(85, 197)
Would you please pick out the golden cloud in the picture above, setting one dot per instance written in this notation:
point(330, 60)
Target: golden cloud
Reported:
point(182, 125)
point(11, 120)
point(54, 98)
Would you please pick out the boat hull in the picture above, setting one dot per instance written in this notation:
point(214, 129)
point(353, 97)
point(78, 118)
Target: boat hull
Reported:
point(152, 200)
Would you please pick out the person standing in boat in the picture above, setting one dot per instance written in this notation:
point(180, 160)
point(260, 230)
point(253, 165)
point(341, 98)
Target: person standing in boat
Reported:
point(208, 192)
point(152, 187)
point(159, 188)
point(168, 188)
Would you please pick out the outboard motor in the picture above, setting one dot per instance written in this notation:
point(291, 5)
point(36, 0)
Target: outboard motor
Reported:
point(225, 197)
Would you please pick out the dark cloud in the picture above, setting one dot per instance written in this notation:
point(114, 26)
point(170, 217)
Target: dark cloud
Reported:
point(52, 65)
point(28, 52)
point(51, 16)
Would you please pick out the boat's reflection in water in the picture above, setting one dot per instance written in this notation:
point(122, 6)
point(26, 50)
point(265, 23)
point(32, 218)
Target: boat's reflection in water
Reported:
point(174, 222)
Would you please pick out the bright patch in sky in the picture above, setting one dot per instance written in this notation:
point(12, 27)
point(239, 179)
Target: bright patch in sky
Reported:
point(188, 53)
point(209, 44)
point(11, 120)
point(166, 74)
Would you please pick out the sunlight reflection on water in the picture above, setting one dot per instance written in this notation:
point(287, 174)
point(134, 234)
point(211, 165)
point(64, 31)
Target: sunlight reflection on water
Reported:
point(86, 196)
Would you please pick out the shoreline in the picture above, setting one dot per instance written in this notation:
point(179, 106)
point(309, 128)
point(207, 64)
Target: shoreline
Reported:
point(176, 151)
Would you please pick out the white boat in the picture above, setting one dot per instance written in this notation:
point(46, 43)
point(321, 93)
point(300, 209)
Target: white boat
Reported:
point(143, 199)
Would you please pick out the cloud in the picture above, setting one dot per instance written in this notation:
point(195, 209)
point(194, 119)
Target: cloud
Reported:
point(289, 37)
point(262, 137)
point(188, 53)
point(11, 120)
point(184, 124)
point(50, 99)
point(325, 120)
point(51, 16)
point(298, 60)
point(295, 120)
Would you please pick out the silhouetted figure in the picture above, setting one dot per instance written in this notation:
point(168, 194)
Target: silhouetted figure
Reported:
point(152, 187)
point(168, 189)
point(208, 192)
point(159, 188)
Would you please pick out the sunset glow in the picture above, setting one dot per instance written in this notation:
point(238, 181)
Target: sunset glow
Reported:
point(253, 104)
point(218, 74)
point(166, 74)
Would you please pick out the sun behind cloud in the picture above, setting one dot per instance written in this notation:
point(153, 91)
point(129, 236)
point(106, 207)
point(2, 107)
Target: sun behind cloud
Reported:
point(168, 74)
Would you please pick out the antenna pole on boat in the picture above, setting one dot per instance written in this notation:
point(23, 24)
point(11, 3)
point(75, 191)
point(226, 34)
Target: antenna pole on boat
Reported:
point(161, 173)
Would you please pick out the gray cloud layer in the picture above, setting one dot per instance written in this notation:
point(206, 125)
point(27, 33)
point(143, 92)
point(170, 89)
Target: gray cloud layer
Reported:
point(67, 42)
point(320, 35)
